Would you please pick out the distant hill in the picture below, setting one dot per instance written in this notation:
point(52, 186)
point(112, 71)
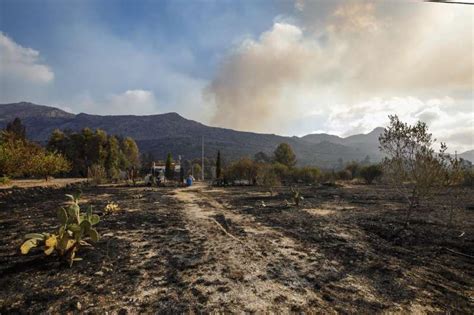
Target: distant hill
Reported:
point(468, 155)
point(163, 133)
point(361, 142)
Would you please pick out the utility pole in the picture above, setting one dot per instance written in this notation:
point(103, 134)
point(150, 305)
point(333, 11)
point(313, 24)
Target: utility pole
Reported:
point(202, 158)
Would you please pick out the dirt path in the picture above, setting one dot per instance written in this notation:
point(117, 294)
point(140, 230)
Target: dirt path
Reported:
point(273, 265)
point(245, 260)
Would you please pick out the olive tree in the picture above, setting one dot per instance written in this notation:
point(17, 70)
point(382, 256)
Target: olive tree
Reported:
point(411, 164)
point(49, 163)
point(284, 154)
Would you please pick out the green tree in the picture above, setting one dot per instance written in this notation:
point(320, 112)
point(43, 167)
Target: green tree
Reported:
point(411, 164)
point(146, 162)
point(169, 169)
point(218, 165)
point(75, 152)
point(244, 168)
point(57, 141)
point(47, 164)
point(197, 170)
point(112, 160)
point(284, 154)
point(88, 147)
point(16, 129)
point(262, 157)
point(131, 153)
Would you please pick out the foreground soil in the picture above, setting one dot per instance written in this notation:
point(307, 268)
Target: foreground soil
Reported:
point(203, 249)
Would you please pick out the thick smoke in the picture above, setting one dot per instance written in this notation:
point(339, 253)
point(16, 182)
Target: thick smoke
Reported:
point(361, 52)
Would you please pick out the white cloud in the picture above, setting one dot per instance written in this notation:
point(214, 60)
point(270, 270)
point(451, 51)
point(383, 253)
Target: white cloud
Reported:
point(22, 63)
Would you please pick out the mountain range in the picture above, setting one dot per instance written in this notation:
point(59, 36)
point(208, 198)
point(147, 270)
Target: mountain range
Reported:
point(163, 133)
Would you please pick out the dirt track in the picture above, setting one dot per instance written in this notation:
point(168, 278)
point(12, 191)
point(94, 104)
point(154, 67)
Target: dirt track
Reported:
point(238, 249)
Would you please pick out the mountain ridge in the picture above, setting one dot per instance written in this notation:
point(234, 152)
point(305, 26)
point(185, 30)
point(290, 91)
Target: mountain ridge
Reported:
point(170, 132)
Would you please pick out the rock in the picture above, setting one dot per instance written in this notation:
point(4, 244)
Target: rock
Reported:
point(99, 273)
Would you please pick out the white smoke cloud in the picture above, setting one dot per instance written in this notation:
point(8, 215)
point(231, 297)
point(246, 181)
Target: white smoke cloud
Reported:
point(130, 102)
point(364, 61)
point(22, 63)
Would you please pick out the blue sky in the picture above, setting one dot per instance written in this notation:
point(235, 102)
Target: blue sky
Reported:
point(100, 48)
point(289, 67)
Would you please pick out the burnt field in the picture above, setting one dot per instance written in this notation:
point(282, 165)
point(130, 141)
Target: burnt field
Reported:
point(202, 249)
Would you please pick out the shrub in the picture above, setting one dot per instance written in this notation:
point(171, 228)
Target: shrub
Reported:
point(307, 175)
point(296, 196)
point(370, 173)
point(96, 174)
point(344, 175)
point(354, 168)
point(244, 168)
point(328, 177)
point(75, 228)
point(5, 180)
point(269, 179)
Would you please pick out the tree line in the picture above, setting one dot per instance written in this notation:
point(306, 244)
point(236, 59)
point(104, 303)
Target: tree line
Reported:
point(280, 168)
point(92, 151)
point(68, 153)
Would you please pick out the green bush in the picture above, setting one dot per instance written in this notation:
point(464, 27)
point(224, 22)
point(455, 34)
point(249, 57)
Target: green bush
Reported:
point(268, 178)
point(243, 169)
point(5, 180)
point(344, 175)
point(307, 175)
point(370, 173)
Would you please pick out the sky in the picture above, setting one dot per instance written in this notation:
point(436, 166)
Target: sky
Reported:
point(288, 67)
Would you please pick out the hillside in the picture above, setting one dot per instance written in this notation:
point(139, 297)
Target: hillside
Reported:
point(468, 155)
point(173, 133)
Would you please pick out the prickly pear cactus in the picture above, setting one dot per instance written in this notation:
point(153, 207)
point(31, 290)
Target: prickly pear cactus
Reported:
point(75, 228)
point(297, 196)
